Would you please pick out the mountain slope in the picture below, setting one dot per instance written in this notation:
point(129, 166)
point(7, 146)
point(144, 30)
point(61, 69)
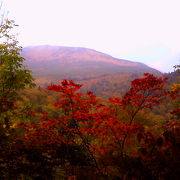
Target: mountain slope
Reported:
point(99, 72)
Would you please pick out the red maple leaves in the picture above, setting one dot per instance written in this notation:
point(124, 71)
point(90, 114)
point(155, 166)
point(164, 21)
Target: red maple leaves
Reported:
point(98, 126)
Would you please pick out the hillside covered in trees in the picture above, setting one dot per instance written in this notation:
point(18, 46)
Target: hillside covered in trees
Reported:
point(103, 74)
point(61, 132)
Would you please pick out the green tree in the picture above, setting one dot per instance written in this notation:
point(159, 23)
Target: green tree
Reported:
point(13, 74)
point(14, 77)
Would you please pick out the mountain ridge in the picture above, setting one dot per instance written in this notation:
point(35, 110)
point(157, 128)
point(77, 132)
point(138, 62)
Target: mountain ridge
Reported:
point(81, 50)
point(94, 69)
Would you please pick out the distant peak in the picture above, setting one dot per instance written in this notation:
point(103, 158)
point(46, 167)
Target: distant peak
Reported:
point(66, 55)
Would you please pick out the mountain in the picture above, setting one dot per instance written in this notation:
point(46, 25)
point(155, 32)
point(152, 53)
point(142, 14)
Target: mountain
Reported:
point(101, 73)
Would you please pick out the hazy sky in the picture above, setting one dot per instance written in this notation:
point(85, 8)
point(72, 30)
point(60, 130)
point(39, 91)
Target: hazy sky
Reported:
point(139, 30)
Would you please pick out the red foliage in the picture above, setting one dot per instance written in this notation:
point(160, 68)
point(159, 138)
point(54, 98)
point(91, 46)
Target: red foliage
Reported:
point(146, 92)
point(84, 115)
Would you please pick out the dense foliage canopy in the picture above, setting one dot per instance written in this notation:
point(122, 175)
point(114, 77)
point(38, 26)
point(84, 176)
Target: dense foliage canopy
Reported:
point(71, 135)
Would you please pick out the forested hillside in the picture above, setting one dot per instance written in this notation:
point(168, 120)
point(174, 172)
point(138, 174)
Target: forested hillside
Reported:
point(61, 132)
point(103, 74)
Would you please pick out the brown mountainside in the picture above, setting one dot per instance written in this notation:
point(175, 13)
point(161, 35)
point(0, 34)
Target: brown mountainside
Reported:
point(101, 73)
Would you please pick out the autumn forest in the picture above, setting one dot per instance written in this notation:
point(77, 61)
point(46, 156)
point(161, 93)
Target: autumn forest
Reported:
point(59, 132)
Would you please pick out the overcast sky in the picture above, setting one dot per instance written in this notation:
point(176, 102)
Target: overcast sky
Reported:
point(147, 31)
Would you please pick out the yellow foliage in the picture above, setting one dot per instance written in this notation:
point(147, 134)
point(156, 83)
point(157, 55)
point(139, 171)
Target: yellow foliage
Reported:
point(13, 125)
point(175, 86)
